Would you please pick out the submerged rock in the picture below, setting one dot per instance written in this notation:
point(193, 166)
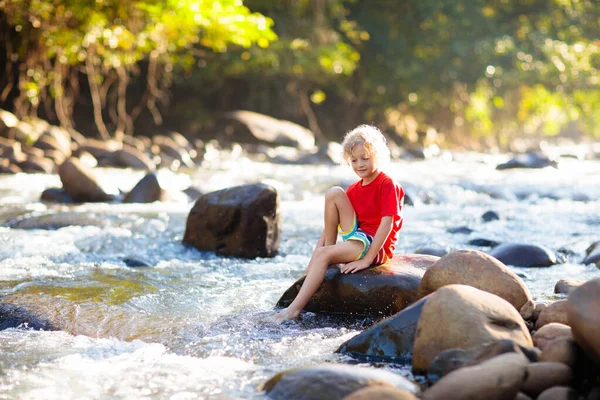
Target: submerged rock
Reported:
point(242, 221)
point(377, 291)
point(331, 381)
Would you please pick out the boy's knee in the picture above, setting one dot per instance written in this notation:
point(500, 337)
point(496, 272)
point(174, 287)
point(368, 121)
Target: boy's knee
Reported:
point(333, 192)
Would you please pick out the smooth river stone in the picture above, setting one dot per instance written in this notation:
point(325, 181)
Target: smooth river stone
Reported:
point(377, 291)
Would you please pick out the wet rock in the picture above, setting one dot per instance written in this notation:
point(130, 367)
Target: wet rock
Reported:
point(483, 242)
point(242, 221)
point(567, 285)
point(528, 160)
point(135, 262)
point(380, 393)
point(592, 254)
point(331, 381)
point(147, 190)
point(80, 183)
point(463, 230)
point(583, 317)
point(391, 339)
point(555, 312)
point(550, 332)
point(35, 164)
point(453, 359)
point(460, 316)
point(377, 291)
point(544, 375)
point(193, 193)
point(496, 379)
point(13, 316)
point(56, 195)
point(524, 255)
point(490, 216)
point(477, 269)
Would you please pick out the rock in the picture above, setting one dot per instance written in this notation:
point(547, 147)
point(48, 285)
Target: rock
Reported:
point(134, 262)
point(102, 150)
point(592, 254)
point(460, 316)
point(550, 332)
point(130, 157)
point(80, 183)
point(6, 167)
point(567, 285)
point(477, 269)
point(13, 316)
point(377, 291)
point(432, 251)
point(242, 221)
point(522, 396)
point(529, 160)
point(559, 393)
point(524, 255)
point(490, 216)
point(380, 393)
point(166, 145)
point(56, 195)
point(544, 375)
point(555, 312)
point(527, 310)
point(391, 339)
point(563, 350)
point(37, 164)
point(55, 221)
point(331, 381)
point(583, 317)
point(496, 379)
point(483, 242)
point(273, 131)
point(147, 190)
point(7, 120)
point(453, 359)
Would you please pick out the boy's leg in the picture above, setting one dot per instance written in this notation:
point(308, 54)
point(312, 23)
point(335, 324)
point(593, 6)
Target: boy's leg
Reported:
point(323, 257)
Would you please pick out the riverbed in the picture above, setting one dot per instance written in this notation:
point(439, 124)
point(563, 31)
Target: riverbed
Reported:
point(187, 326)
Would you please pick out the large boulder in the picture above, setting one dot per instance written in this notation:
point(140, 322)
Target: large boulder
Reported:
point(377, 291)
point(477, 269)
point(242, 221)
point(331, 381)
point(391, 339)
point(80, 183)
point(583, 317)
point(460, 316)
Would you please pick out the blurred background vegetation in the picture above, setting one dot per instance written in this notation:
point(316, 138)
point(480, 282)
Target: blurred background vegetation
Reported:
point(470, 73)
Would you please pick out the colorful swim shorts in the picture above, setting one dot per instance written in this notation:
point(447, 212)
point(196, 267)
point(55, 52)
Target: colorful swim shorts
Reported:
point(355, 233)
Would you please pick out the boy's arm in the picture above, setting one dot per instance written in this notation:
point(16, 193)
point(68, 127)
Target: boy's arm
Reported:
point(385, 227)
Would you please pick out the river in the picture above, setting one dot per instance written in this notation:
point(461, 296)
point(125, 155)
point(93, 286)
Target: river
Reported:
point(188, 327)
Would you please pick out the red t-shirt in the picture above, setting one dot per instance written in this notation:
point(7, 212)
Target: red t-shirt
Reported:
point(380, 198)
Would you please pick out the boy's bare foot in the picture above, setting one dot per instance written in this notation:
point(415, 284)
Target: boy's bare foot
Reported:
point(281, 316)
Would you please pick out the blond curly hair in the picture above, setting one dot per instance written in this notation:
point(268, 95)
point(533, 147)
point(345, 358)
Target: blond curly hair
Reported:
point(372, 140)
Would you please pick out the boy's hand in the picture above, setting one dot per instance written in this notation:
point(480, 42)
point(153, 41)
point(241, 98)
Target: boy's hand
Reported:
point(355, 266)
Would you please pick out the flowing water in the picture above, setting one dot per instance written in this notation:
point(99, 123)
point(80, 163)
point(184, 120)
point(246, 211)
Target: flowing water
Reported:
point(188, 327)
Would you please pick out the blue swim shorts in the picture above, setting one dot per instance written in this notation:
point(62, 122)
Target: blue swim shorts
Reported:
point(355, 233)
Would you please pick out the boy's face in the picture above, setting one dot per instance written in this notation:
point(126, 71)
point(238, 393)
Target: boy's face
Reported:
point(363, 164)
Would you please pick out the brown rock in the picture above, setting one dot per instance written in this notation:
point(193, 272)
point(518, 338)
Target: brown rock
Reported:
point(544, 375)
point(496, 379)
point(559, 393)
point(80, 183)
point(130, 157)
point(527, 310)
point(37, 164)
point(460, 316)
point(555, 312)
point(477, 269)
point(380, 393)
point(566, 286)
point(147, 190)
point(563, 350)
point(582, 310)
point(549, 332)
